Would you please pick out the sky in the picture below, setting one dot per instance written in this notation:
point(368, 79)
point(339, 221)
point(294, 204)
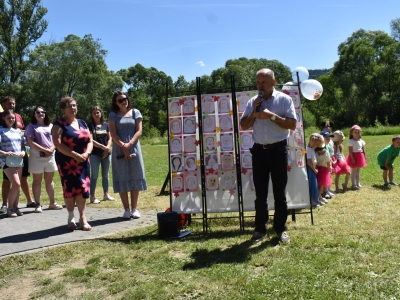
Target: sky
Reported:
point(194, 37)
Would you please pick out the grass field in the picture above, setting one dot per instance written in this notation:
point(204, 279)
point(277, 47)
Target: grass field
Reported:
point(351, 252)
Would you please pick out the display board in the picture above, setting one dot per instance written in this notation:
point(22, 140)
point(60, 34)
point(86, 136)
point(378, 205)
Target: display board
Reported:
point(184, 155)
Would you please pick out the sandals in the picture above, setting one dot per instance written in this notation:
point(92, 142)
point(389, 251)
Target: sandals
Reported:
point(84, 227)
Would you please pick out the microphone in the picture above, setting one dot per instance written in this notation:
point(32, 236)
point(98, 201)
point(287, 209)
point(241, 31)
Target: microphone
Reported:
point(260, 95)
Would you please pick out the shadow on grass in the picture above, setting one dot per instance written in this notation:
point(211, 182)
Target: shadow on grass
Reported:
point(239, 253)
point(203, 257)
point(381, 187)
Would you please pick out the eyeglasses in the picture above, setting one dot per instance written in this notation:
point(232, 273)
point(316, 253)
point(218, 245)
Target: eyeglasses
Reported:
point(38, 112)
point(72, 105)
point(121, 100)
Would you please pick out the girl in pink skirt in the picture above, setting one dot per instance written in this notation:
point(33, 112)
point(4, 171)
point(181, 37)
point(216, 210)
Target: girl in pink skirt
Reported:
point(341, 167)
point(356, 158)
point(324, 168)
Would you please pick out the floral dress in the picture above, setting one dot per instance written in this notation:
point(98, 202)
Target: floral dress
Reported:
point(75, 177)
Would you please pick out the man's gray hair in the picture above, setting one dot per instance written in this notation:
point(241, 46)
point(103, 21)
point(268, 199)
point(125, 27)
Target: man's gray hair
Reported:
point(266, 72)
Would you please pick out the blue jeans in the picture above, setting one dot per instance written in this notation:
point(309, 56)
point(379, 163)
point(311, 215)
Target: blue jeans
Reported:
point(270, 163)
point(95, 162)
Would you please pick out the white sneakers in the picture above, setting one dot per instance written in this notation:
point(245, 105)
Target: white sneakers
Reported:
point(127, 214)
point(93, 200)
point(134, 214)
point(108, 197)
point(38, 208)
point(3, 209)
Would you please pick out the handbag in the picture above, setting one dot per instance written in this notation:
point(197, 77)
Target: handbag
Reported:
point(14, 161)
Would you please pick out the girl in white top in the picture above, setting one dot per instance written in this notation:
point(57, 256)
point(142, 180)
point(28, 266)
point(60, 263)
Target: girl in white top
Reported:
point(11, 145)
point(41, 158)
point(356, 158)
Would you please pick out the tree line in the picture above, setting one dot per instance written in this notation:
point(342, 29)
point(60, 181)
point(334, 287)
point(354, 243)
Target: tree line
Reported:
point(363, 87)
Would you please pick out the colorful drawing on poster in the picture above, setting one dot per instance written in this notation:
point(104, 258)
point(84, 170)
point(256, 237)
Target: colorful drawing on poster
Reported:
point(298, 138)
point(188, 106)
point(226, 142)
point(191, 184)
point(225, 123)
point(190, 162)
point(299, 119)
point(189, 125)
point(210, 142)
point(224, 104)
point(228, 181)
point(296, 100)
point(212, 182)
point(175, 125)
point(246, 160)
point(227, 160)
point(177, 183)
point(174, 107)
point(189, 143)
point(242, 101)
point(176, 144)
point(209, 123)
point(176, 163)
point(211, 161)
point(299, 158)
point(246, 141)
point(207, 104)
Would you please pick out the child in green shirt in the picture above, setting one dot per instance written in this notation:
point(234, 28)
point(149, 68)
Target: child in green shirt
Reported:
point(386, 158)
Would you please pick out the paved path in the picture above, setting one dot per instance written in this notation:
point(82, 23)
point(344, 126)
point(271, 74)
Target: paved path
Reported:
point(34, 231)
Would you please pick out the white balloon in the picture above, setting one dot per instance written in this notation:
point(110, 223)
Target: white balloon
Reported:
point(303, 74)
point(311, 89)
point(290, 86)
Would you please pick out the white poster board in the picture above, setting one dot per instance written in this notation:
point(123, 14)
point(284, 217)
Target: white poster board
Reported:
point(184, 156)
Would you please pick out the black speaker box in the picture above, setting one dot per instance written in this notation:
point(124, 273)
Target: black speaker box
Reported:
point(167, 224)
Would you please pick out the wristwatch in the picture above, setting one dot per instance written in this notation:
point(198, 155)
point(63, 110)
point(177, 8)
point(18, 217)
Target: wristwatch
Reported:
point(273, 118)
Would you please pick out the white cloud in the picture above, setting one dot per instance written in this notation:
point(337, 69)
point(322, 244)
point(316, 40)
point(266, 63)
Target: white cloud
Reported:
point(201, 63)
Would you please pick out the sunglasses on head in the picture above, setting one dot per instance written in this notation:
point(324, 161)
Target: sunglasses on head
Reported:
point(121, 100)
point(38, 112)
point(315, 137)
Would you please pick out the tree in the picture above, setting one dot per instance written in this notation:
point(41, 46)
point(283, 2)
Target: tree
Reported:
point(368, 76)
point(74, 67)
point(245, 71)
point(395, 29)
point(21, 25)
point(181, 85)
point(146, 87)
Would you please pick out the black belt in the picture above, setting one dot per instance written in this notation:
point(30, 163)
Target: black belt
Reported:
point(270, 146)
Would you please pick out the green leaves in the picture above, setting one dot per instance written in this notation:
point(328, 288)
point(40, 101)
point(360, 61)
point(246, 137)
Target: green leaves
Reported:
point(74, 67)
point(21, 25)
